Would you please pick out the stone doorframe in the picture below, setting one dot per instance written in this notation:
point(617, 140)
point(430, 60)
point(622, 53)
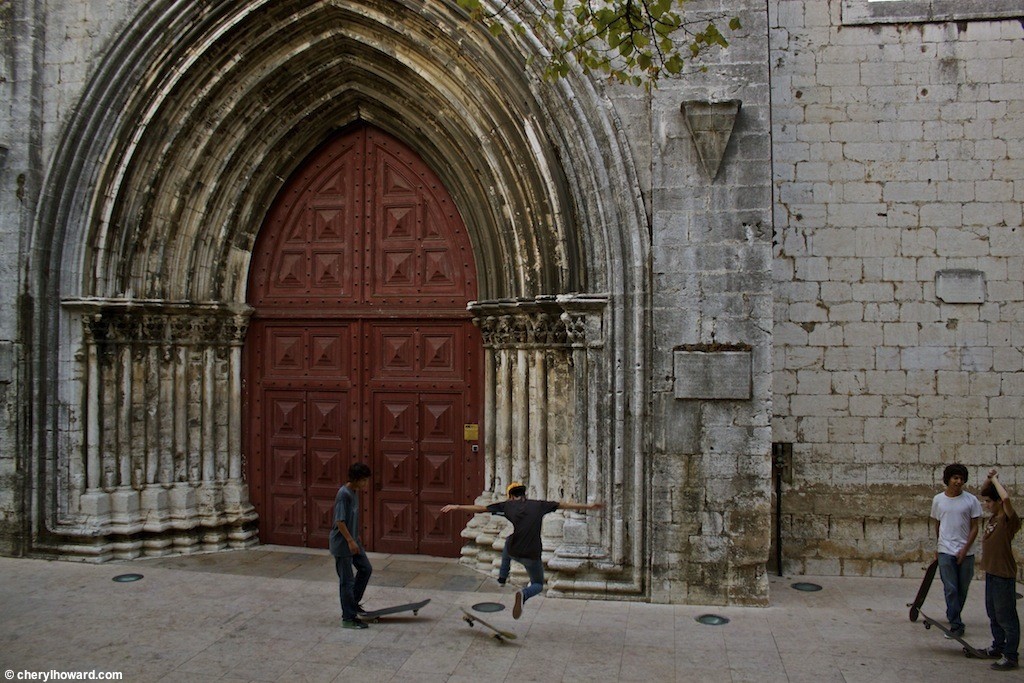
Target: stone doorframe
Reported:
point(137, 271)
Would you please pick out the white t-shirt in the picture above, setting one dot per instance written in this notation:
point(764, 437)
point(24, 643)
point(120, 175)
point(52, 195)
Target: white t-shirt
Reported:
point(955, 515)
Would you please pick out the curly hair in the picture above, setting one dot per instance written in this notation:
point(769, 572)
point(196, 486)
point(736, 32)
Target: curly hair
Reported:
point(955, 468)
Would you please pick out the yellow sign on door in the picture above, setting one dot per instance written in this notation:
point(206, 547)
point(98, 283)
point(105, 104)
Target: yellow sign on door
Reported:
point(471, 432)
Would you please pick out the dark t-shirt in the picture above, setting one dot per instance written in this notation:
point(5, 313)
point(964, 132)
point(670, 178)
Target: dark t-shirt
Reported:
point(346, 509)
point(996, 553)
point(526, 517)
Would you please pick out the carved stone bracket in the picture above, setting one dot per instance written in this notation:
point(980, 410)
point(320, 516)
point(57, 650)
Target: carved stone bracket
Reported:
point(553, 322)
point(109, 323)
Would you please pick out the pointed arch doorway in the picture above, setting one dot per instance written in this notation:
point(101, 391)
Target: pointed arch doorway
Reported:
point(361, 349)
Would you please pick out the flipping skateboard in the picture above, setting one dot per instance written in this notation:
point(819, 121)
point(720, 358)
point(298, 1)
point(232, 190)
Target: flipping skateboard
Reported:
point(376, 614)
point(499, 635)
point(969, 650)
point(922, 592)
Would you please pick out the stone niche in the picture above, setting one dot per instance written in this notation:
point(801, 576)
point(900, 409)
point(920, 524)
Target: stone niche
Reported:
point(160, 465)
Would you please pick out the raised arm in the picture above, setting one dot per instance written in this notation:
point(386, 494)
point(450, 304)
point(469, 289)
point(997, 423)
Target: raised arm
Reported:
point(1004, 497)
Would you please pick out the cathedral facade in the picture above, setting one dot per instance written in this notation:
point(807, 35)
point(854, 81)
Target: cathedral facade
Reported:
point(752, 311)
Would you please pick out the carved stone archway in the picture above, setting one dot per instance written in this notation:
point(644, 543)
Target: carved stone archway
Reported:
point(169, 163)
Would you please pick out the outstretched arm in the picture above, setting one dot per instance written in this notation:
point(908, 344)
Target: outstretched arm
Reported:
point(464, 508)
point(580, 506)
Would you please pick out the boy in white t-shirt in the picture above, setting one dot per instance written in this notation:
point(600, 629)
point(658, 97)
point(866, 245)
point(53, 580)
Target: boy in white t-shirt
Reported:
point(957, 513)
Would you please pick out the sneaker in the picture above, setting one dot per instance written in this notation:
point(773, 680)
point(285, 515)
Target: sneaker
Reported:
point(353, 623)
point(955, 633)
point(360, 609)
point(992, 653)
point(501, 581)
point(517, 609)
point(1004, 664)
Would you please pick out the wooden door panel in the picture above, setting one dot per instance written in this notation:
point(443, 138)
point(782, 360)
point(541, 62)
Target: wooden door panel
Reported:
point(419, 248)
point(437, 530)
point(287, 518)
point(285, 445)
point(395, 526)
point(418, 351)
point(328, 457)
point(395, 432)
point(360, 347)
point(310, 246)
point(441, 445)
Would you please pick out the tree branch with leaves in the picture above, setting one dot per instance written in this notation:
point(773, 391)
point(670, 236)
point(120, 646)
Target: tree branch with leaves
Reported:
point(629, 41)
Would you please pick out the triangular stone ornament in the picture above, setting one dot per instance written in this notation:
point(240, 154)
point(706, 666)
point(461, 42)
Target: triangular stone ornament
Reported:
point(710, 125)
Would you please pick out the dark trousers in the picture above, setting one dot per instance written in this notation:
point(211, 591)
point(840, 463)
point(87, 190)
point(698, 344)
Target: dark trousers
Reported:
point(1001, 605)
point(353, 575)
point(956, 579)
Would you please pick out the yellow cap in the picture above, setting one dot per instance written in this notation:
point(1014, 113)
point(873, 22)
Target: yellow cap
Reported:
point(513, 485)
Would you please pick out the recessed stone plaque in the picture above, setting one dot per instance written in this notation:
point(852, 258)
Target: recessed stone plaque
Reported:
point(712, 374)
point(960, 286)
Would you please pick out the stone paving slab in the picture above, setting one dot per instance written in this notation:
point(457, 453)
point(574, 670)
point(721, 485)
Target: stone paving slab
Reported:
point(269, 614)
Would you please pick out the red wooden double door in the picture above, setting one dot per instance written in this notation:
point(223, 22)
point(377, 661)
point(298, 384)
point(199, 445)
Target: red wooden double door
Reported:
point(361, 350)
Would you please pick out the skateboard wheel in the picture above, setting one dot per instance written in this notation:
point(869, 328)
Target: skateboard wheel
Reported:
point(415, 612)
point(928, 626)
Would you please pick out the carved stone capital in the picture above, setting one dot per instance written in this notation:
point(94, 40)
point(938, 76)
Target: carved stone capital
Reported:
point(119, 322)
point(550, 322)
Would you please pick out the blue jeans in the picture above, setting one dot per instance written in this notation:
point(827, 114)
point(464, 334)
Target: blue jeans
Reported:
point(352, 584)
point(956, 579)
point(1001, 606)
point(535, 568)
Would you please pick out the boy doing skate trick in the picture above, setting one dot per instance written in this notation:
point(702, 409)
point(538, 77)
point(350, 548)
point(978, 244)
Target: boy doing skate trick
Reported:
point(524, 545)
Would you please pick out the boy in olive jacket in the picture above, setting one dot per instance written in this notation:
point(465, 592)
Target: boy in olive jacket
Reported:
point(1000, 572)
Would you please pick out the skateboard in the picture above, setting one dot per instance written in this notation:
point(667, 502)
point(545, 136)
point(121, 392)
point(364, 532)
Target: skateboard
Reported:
point(969, 650)
point(499, 635)
point(376, 614)
point(922, 592)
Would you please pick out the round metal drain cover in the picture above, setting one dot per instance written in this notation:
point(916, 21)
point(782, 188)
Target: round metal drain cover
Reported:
point(488, 607)
point(127, 578)
point(809, 587)
point(712, 620)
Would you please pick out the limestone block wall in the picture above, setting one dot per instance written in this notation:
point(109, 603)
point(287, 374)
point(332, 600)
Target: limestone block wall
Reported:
point(899, 270)
point(709, 508)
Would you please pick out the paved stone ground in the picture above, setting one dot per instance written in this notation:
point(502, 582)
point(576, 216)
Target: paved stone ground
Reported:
point(271, 614)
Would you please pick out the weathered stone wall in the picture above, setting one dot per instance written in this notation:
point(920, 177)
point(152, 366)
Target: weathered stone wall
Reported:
point(899, 269)
point(711, 295)
point(152, 136)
